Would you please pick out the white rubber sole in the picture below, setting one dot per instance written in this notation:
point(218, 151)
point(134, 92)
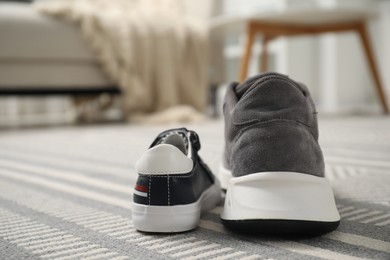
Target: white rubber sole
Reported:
point(280, 196)
point(179, 218)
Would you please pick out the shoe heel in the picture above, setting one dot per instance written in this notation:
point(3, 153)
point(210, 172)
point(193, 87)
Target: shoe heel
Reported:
point(285, 202)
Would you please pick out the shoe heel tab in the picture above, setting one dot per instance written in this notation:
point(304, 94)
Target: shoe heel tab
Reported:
point(164, 159)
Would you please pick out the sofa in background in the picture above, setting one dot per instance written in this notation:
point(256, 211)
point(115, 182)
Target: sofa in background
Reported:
point(42, 55)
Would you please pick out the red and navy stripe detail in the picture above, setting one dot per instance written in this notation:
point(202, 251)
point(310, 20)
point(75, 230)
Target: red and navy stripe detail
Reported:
point(141, 191)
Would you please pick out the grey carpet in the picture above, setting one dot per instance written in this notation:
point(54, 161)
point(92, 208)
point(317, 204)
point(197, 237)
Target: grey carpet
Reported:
point(65, 193)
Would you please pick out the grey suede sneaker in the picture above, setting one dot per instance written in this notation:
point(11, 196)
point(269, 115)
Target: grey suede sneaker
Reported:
point(273, 167)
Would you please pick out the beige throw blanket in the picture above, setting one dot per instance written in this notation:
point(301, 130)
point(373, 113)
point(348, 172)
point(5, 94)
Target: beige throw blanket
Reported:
point(150, 48)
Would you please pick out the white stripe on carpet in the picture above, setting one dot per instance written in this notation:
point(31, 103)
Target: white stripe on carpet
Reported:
point(67, 188)
point(376, 218)
point(368, 214)
point(352, 213)
point(360, 241)
point(194, 250)
point(67, 175)
point(210, 253)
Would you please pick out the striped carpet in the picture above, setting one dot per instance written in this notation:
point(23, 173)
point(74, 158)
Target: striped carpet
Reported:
point(66, 191)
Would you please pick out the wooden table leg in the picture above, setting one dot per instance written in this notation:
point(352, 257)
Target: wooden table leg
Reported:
point(373, 66)
point(264, 53)
point(250, 36)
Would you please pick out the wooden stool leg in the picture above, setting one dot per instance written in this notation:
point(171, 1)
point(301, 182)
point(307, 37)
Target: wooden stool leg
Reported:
point(373, 66)
point(264, 54)
point(250, 35)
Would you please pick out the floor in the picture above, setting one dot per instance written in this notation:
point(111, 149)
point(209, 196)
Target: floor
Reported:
point(66, 192)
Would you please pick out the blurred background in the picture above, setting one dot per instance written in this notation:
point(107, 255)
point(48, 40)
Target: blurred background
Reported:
point(56, 67)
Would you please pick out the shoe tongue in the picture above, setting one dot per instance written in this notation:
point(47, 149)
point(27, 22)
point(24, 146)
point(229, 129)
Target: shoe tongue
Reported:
point(176, 137)
point(242, 88)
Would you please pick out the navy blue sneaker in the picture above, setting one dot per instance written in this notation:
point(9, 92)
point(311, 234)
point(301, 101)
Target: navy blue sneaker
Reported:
point(174, 185)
